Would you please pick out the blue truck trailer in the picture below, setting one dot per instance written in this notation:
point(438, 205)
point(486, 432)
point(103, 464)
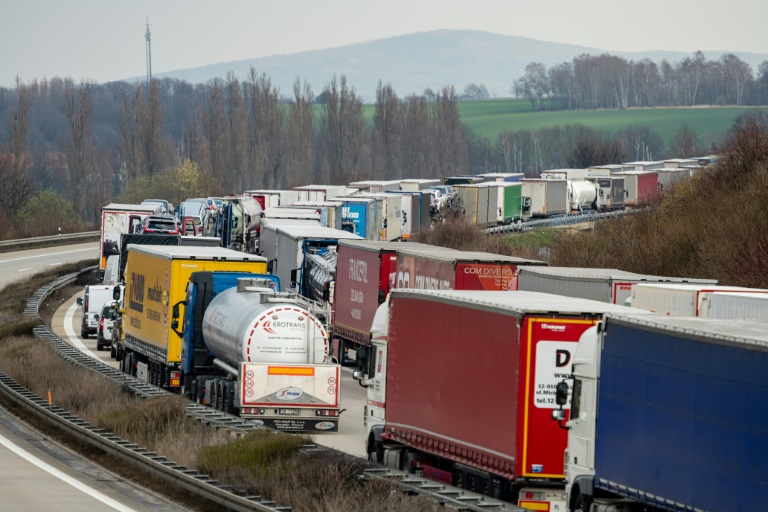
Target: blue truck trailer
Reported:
point(683, 416)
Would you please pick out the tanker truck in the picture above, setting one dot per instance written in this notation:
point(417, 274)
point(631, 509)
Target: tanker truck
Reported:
point(251, 350)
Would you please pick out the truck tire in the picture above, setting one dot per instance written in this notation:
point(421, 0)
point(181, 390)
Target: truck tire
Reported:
point(113, 352)
point(582, 503)
point(228, 399)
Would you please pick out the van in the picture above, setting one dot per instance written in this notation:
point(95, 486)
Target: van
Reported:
point(112, 270)
point(93, 300)
point(108, 316)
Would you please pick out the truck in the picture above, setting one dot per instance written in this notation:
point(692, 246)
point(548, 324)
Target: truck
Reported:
point(376, 186)
point(478, 203)
point(681, 423)
point(601, 284)
point(156, 278)
point(643, 165)
point(737, 306)
point(417, 185)
point(604, 170)
point(450, 269)
point(503, 177)
point(548, 197)
point(463, 180)
point(639, 186)
point(466, 398)
point(364, 278)
point(118, 219)
point(320, 192)
point(674, 299)
point(359, 216)
point(389, 214)
point(237, 223)
point(510, 205)
point(610, 192)
point(564, 174)
point(414, 211)
point(330, 211)
point(250, 350)
point(273, 198)
point(287, 256)
point(582, 195)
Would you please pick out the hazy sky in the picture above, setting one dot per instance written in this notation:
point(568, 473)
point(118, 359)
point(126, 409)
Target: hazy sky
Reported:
point(103, 40)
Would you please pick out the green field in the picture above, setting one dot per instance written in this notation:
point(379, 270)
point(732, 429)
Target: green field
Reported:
point(491, 117)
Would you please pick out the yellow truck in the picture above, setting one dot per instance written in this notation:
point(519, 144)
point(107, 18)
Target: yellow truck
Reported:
point(156, 279)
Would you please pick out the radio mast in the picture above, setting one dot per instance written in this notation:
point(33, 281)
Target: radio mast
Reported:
point(148, 37)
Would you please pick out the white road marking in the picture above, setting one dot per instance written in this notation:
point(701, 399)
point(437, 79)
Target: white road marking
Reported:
point(47, 254)
point(72, 335)
point(23, 269)
point(93, 493)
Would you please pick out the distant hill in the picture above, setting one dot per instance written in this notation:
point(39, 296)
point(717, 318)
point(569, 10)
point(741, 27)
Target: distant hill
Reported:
point(413, 62)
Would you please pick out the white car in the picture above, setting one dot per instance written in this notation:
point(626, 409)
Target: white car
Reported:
point(106, 322)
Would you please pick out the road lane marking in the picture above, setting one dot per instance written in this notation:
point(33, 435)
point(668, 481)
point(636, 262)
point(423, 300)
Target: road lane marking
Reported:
point(48, 254)
point(23, 269)
point(90, 491)
point(72, 335)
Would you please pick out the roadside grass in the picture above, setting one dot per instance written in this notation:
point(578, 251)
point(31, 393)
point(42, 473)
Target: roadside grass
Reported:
point(714, 225)
point(266, 463)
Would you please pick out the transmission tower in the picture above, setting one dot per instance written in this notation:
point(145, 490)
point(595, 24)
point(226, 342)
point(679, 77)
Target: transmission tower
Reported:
point(148, 37)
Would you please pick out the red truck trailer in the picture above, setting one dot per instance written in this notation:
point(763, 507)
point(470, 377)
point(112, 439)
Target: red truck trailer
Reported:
point(365, 272)
point(458, 270)
point(461, 387)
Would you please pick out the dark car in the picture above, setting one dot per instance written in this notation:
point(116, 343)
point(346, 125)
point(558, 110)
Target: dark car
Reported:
point(160, 224)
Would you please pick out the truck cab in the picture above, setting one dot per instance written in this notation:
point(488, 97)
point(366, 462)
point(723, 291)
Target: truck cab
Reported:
point(373, 376)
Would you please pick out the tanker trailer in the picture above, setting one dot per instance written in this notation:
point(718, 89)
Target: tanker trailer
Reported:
point(251, 350)
point(582, 195)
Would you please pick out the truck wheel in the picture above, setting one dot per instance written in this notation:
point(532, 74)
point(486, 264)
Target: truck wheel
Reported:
point(229, 397)
point(582, 503)
point(113, 352)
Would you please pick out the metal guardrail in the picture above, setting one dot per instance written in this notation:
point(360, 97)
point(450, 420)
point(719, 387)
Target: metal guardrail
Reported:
point(47, 241)
point(557, 221)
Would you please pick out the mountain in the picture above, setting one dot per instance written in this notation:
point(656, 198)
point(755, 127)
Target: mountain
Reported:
point(413, 62)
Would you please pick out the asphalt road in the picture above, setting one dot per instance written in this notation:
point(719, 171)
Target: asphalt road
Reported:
point(15, 266)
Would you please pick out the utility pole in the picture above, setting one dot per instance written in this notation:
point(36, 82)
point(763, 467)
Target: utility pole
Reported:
point(148, 37)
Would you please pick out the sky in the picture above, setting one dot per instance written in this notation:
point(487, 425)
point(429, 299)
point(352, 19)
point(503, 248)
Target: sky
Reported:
point(103, 40)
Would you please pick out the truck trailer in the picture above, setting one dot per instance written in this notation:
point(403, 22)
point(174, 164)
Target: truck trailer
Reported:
point(365, 274)
point(639, 186)
point(736, 306)
point(681, 424)
point(461, 387)
point(548, 197)
point(674, 299)
point(156, 280)
point(118, 219)
point(601, 284)
point(450, 269)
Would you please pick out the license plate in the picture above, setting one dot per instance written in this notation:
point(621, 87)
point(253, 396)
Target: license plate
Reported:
point(288, 412)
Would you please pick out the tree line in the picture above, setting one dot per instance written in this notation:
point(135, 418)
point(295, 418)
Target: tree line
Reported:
point(92, 144)
point(609, 81)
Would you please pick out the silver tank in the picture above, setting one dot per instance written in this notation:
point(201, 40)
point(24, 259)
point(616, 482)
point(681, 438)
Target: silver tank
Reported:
point(242, 326)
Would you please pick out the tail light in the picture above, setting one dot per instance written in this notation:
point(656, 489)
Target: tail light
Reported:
point(326, 412)
point(175, 379)
point(101, 324)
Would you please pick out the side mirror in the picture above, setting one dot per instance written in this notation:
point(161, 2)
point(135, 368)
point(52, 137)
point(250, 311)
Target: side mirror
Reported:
point(79, 301)
point(561, 393)
point(358, 375)
point(116, 293)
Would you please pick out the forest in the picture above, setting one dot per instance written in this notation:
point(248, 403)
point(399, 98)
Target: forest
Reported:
point(83, 145)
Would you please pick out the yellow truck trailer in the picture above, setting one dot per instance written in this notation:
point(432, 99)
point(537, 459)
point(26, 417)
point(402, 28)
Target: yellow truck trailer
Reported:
point(156, 279)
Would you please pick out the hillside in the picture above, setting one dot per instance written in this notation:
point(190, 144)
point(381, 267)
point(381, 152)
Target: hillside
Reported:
point(416, 61)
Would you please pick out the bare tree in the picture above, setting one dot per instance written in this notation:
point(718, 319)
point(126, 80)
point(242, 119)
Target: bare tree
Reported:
point(342, 132)
point(685, 143)
point(80, 155)
point(16, 186)
point(387, 128)
point(301, 131)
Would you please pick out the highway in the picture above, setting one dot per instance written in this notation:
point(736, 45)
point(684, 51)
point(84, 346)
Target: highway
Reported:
point(14, 266)
point(35, 472)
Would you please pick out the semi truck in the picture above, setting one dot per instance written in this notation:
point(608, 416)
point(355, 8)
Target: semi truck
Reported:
point(156, 278)
point(668, 413)
point(479, 203)
point(359, 216)
point(466, 398)
point(639, 186)
point(610, 192)
point(602, 284)
point(510, 205)
point(237, 223)
point(320, 192)
point(118, 219)
point(673, 299)
point(366, 272)
point(450, 269)
point(548, 197)
point(737, 306)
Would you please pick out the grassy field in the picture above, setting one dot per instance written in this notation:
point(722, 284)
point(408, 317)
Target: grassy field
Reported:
point(491, 117)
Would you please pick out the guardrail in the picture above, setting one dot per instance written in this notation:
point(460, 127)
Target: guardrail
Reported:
point(47, 241)
point(560, 220)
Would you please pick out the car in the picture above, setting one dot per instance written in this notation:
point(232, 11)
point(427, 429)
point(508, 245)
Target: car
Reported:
point(106, 324)
point(167, 205)
point(194, 216)
point(92, 302)
point(160, 225)
point(211, 203)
